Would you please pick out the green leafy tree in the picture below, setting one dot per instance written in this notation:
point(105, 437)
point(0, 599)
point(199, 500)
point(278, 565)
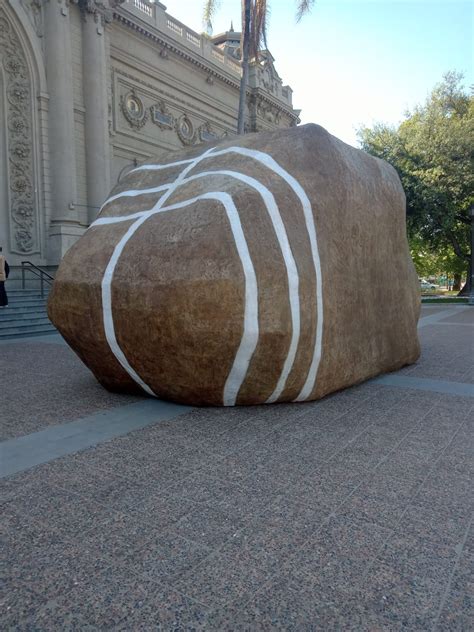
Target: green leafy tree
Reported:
point(255, 14)
point(432, 150)
point(435, 263)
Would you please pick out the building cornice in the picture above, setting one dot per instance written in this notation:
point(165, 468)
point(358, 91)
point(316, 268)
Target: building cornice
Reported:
point(169, 45)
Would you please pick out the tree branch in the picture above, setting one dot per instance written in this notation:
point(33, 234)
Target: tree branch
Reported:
point(464, 220)
point(456, 247)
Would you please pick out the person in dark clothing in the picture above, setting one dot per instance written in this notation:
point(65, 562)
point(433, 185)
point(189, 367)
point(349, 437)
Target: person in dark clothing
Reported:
point(4, 272)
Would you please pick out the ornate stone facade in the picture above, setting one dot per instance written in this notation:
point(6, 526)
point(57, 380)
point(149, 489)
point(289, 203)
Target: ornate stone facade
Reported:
point(18, 173)
point(88, 88)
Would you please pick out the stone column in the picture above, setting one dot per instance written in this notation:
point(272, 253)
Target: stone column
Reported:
point(95, 19)
point(64, 229)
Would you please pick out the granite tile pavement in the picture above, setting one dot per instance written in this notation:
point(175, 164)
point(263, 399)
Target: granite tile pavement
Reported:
point(351, 513)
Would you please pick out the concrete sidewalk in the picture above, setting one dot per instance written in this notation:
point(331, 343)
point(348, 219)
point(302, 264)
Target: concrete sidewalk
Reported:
point(351, 513)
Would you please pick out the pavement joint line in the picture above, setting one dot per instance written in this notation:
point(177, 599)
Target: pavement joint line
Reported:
point(445, 313)
point(418, 487)
point(453, 571)
point(424, 384)
point(336, 509)
point(22, 453)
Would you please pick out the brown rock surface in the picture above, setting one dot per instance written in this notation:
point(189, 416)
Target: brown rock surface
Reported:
point(273, 267)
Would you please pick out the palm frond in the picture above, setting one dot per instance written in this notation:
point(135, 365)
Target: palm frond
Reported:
point(209, 10)
point(303, 7)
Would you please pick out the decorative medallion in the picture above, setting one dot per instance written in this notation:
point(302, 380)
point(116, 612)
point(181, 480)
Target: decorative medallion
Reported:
point(161, 116)
point(185, 130)
point(206, 133)
point(133, 109)
point(20, 168)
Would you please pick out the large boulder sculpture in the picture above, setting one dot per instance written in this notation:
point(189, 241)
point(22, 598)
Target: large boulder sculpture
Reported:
point(269, 268)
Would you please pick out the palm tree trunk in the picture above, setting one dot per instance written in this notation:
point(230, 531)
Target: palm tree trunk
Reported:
point(245, 66)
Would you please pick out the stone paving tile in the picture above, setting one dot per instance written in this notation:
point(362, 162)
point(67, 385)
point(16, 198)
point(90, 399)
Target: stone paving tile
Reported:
point(417, 558)
point(231, 575)
point(407, 465)
point(17, 604)
point(457, 611)
point(464, 316)
point(381, 500)
point(447, 490)
point(22, 537)
point(37, 399)
point(120, 601)
point(391, 601)
point(164, 558)
point(50, 570)
point(446, 526)
point(211, 526)
point(123, 535)
point(324, 489)
point(65, 514)
point(282, 526)
point(345, 514)
point(341, 551)
point(102, 486)
point(292, 600)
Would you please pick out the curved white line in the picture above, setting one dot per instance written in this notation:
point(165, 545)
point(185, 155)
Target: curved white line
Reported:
point(133, 193)
point(106, 286)
point(250, 333)
point(166, 165)
point(270, 163)
point(108, 276)
point(282, 238)
point(290, 264)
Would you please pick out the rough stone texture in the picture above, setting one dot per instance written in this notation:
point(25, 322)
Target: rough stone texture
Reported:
point(214, 304)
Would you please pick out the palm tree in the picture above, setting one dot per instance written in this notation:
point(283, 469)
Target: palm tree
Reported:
point(254, 35)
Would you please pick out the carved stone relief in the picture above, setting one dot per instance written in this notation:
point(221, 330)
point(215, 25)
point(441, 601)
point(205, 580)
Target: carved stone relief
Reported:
point(185, 130)
point(34, 11)
point(161, 116)
point(268, 112)
point(18, 92)
point(101, 10)
point(206, 133)
point(133, 109)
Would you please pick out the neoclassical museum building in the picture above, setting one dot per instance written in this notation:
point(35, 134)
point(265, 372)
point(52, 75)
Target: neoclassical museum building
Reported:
point(89, 88)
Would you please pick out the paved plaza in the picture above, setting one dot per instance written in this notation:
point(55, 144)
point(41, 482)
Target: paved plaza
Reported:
point(351, 513)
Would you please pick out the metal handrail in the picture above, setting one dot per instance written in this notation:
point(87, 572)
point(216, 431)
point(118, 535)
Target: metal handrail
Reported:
point(42, 274)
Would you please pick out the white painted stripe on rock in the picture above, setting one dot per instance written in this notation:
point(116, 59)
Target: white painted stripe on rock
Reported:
point(282, 238)
point(108, 277)
point(290, 264)
point(270, 163)
point(250, 334)
point(167, 165)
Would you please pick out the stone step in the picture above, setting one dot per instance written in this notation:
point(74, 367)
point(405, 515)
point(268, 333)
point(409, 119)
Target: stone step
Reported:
point(26, 314)
point(22, 312)
point(28, 330)
point(25, 332)
point(14, 305)
point(35, 318)
point(26, 297)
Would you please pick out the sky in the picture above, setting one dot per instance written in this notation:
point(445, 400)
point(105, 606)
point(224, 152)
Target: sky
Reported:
point(351, 63)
